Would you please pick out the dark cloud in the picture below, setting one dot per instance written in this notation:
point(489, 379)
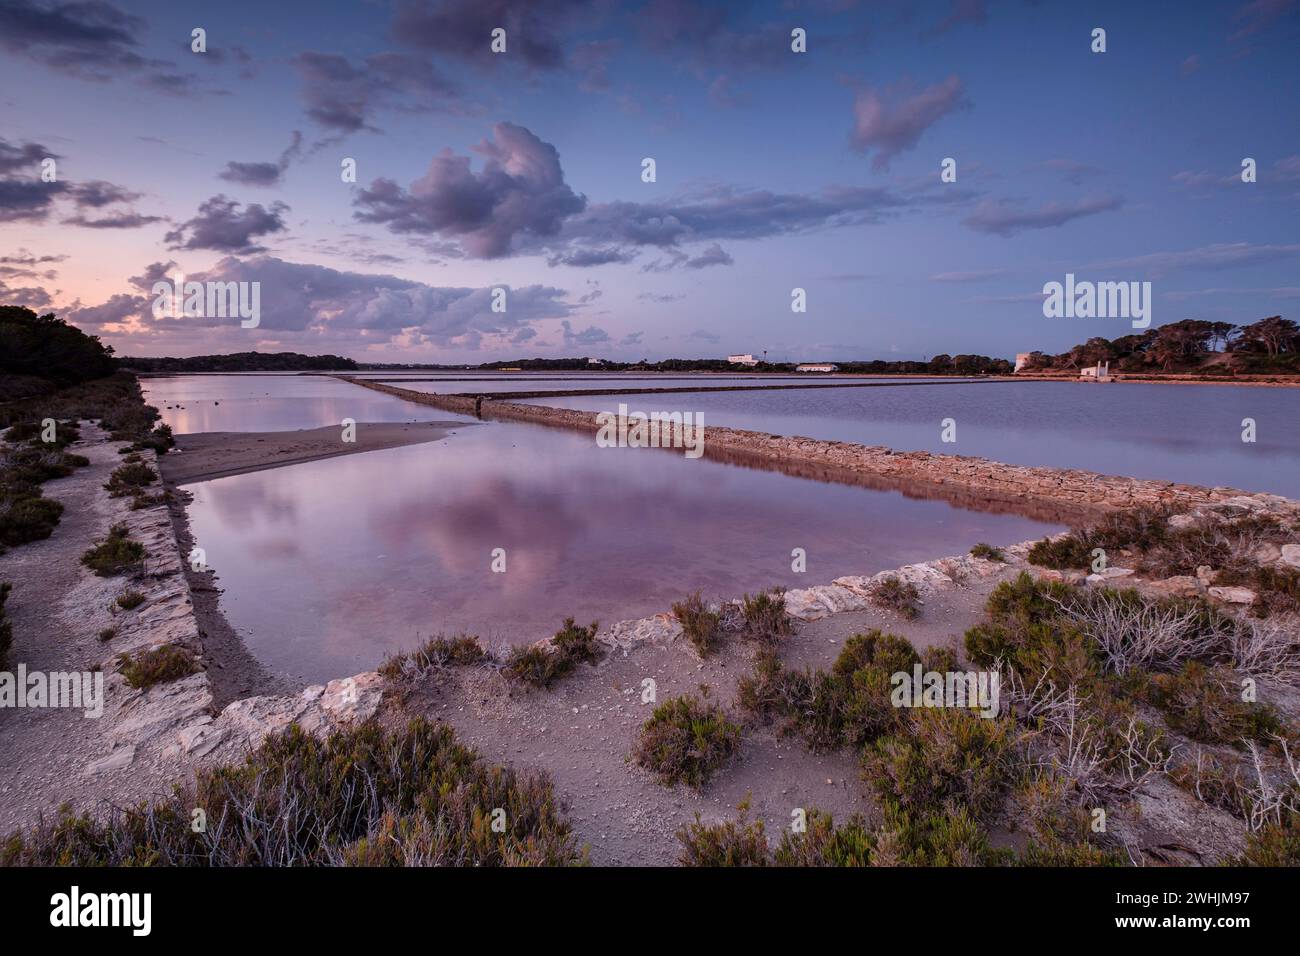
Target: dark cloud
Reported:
point(1223, 255)
point(14, 157)
point(591, 335)
point(27, 200)
point(29, 296)
point(97, 193)
point(344, 98)
point(584, 258)
point(1004, 218)
point(519, 192)
point(463, 28)
point(88, 39)
point(263, 174)
point(223, 226)
point(120, 220)
point(891, 120)
point(715, 255)
point(632, 338)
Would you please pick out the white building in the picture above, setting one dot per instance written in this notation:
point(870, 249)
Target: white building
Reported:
point(1096, 373)
point(745, 359)
point(1022, 359)
point(817, 367)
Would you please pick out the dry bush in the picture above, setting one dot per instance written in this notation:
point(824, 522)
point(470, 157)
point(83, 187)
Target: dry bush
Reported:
point(702, 627)
point(898, 595)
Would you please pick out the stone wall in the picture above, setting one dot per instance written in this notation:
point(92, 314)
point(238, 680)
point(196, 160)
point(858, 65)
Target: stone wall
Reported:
point(978, 483)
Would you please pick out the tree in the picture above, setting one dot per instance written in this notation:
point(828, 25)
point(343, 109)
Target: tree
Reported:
point(1274, 335)
point(46, 347)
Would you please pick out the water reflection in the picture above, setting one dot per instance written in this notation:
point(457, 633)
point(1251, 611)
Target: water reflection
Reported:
point(328, 565)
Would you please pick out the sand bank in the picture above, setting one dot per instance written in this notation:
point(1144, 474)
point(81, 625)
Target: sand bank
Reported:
point(207, 455)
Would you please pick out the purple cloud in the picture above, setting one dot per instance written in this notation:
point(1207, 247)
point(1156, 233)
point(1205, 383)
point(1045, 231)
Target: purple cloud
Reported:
point(891, 120)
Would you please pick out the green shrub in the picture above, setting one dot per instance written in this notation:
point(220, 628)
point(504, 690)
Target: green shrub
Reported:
point(988, 552)
point(159, 665)
point(1026, 629)
point(686, 740)
point(1068, 553)
point(897, 595)
point(702, 627)
point(541, 667)
point(130, 599)
point(1276, 844)
point(412, 796)
point(116, 554)
point(128, 478)
point(30, 518)
point(434, 653)
point(946, 760)
point(108, 633)
point(732, 843)
point(1205, 704)
point(823, 844)
point(764, 615)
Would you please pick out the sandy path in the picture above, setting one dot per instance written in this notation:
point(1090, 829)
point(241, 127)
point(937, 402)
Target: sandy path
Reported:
point(206, 455)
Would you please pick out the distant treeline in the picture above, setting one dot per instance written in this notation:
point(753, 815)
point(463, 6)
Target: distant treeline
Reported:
point(244, 362)
point(939, 365)
point(1192, 345)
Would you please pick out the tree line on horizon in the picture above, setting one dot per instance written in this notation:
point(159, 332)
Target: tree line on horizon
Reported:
point(1192, 345)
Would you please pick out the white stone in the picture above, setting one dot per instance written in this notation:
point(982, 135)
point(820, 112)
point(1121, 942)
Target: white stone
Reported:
point(1233, 595)
point(1291, 555)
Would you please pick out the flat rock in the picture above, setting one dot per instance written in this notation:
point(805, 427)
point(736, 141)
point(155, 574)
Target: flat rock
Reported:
point(1181, 585)
point(1231, 595)
point(1290, 555)
point(119, 759)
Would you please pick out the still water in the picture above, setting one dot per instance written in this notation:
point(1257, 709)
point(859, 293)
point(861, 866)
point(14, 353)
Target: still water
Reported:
point(329, 565)
point(1187, 433)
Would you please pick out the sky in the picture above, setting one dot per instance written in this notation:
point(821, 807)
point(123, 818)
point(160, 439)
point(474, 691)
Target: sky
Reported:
point(775, 169)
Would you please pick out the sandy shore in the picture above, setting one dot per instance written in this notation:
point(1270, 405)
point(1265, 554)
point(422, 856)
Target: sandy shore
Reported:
point(207, 455)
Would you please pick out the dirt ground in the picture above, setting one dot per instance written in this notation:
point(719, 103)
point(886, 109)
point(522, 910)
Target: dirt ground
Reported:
point(582, 730)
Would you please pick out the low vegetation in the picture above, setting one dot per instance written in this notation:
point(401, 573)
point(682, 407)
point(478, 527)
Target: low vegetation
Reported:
point(702, 627)
point(542, 666)
point(129, 600)
point(129, 479)
point(988, 552)
point(433, 654)
point(764, 617)
point(897, 595)
point(116, 554)
point(158, 665)
point(6, 626)
point(364, 796)
point(686, 740)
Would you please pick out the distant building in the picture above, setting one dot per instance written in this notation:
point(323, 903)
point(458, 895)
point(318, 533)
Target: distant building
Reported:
point(1096, 373)
point(745, 359)
point(817, 367)
point(592, 361)
point(1022, 359)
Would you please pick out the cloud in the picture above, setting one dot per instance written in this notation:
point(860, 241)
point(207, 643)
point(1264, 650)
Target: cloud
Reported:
point(1228, 255)
point(591, 257)
point(520, 191)
point(29, 296)
point(715, 255)
point(1190, 65)
point(263, 174)
point(704, 336)
point(345, 98)
point(1003, 218)
point(1072, 171)
point(223, 226)
point(658, 297)
point(463, 28)
point(964, 11)
point(14, 158)
point(27, 200)
point(329, 308)
point(97, 193)
point(891, 120)
point(978, 276)
point(591, 335)
point(632, 338)
point(120, 220)
point(1260, 17)
point(88, 39)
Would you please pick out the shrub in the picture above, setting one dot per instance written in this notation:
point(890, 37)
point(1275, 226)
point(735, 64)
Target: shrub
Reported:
point(6, 626)
point(108, 633)
point(731, 843)
point(128, 478)
point(686, 740)
point(159, 665)
point(27, 518)
point(941, 838)
point(702, 627)
point(764, 616)
point(1067, 553)
point(540, 667)
point(116, 554)
point(1205, 704)
point(130, 599)
point(1026, 630)
point(434, 653)
point(824, 844)
point(946, 761)
point(897, 595)
point(364, 795)
point(988, 552)
point(1276, 843)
